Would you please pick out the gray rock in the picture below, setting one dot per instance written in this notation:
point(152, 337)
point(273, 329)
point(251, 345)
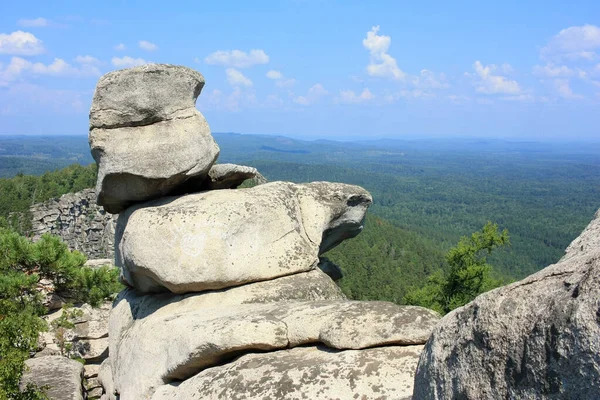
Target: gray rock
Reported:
point(537, 338)
point(223, 176)
point(146, 134)
point(63, 376)
point(588, 241)
point(224, 238)
point(106, 381)
point(79, 222)
point(305, 373)
point(207, 336)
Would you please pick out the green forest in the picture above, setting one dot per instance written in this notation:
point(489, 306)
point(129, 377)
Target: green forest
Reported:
point(427, 195)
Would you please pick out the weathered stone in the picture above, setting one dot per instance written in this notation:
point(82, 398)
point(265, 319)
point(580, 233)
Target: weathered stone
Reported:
point(224, 238)
point(79, 222)
point(305, 373)
point(63, 376)
point(207, 336)
point(537, 338)
point(105, 378)
point(101, 262)
point(230, 176)
point(146, 134)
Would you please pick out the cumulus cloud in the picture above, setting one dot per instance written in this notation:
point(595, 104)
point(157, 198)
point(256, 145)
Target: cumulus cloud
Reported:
point(236, 78)
point(120, 47)
point(381, 63)
point(19, 67)
point(314, 94)
point(127, 62)
point(148, 46)
point(236, 100)
point(488, 83)
point(348, 96)
point(279, 79)
point(237, 58)
point(573, 43)
point(563, 88)
point(20, 43)
point(553, 71)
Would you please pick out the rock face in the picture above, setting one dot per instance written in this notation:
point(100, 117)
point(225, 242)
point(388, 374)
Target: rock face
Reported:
point(79, 222)
point(61, 375)
point(537, 338)
point(305, 373)
point(224, 238)
point(146, 134)
point(217, 274)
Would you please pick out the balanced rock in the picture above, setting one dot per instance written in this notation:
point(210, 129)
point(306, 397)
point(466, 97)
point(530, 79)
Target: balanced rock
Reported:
point(537, 338)
point(224, 238)
point(146, 135)
point(62, 377)
point(305, 373)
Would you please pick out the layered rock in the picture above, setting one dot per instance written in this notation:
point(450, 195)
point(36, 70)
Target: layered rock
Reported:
point(537, 338)
point(305, 373)
point(60, 377)
point(146, 135)
point(224, 238)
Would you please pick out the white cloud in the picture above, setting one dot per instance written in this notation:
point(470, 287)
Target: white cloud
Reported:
point(564, 90)
point(127, 62)
point(234, 101)
point(20, 43)
point(22, 96)
point(428, 80)
point(279, 79)
point(519, 97)
point(148, 46)
point(120, 47)
point(348, 96)
point(236, 78)
point(315, 93)
point(34, 23)
point(573, 43)
point(488, 83)
point(553, 71)
point(275, 75)
point(237, 58)
point(459, 99)
point(381, 63)
point(18, 67)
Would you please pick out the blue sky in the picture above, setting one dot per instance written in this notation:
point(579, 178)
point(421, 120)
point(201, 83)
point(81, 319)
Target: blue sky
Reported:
point(318, 68)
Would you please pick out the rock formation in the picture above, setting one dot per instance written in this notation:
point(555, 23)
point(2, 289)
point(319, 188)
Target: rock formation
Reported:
point(537, 338)
point(146, 135)
point(60, 375)
point(224, 283)
point(81, 224)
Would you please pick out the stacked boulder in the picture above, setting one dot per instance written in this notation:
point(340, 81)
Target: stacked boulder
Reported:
point(225, 298)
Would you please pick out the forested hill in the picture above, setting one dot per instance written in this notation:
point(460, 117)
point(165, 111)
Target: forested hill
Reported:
point(436, 191)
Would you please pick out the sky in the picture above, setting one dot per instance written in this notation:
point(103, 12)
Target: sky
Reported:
point(335, 69)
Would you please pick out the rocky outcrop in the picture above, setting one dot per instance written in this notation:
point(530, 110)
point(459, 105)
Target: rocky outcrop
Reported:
point(305, 373)
point(219, 274)
point(78, 221)
point(224, 238)
point(61, 377)
point(537, 338)
point(146, 135)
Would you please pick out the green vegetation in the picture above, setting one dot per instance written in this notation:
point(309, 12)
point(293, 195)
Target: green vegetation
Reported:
point(469, 274)
point(19, 193)
point(22, 265)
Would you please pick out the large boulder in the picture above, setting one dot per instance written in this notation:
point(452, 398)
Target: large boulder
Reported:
point(207, 336)
point(537, 338)
point(305, 373)
point(146, 134)
point(62, 377)
point(224, 238)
